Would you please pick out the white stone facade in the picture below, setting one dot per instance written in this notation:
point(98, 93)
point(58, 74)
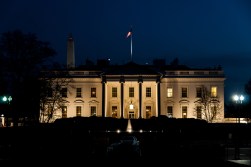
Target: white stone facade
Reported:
point(112, 93)
point(110, 90)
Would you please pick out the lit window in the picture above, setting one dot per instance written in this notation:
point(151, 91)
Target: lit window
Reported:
point(93, 111)
point(64, 112)
point(169, 92)
point(93, 92)
point(78, 111)
point(184, 111)
point(169, 111)
point(213, 91)
point(148, 112)
point(114, 111)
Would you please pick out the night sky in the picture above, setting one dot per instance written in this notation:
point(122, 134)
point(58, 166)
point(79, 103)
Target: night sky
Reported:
point(200, 33)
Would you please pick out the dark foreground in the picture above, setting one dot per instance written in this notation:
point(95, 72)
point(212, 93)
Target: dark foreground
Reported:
point(80, 146)
point(91, 150)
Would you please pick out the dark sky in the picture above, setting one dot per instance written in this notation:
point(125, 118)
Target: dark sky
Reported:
point(200, 33)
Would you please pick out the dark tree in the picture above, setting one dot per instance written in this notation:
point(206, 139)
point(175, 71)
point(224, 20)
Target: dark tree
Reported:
point(247, 106)
point(210, 105)
point(248, 88)
point(22, 56)
point(51, 99)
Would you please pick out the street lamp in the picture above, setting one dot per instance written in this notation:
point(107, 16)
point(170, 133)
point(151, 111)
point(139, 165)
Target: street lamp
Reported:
point(238, 99)
point(7, 99)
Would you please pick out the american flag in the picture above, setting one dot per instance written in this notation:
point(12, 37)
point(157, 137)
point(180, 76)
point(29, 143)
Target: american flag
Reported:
point(129, 33)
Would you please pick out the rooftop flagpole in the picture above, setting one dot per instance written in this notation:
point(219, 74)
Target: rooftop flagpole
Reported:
point(129, 34)
point(131, 44)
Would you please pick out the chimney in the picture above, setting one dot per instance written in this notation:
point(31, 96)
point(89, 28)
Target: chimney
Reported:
point(70, 52)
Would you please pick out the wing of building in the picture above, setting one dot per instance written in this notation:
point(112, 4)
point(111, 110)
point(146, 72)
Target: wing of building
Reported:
point(139, 91)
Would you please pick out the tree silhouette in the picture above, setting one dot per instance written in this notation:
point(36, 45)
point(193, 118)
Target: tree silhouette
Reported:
point(247, 105)
point(210, 105)
point(22, 56)
point(51, 99)
point(247, 88)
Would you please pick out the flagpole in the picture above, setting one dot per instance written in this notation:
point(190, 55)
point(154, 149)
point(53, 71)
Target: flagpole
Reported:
point(129, 34)
point(131, 47)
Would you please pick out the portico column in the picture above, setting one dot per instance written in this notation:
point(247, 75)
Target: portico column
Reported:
point(103, 96)
point(158, 96)
point(122, 96)
point(140, 97)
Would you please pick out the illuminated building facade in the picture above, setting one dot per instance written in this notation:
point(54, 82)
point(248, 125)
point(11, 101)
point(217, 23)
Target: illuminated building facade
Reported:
point(139, 91)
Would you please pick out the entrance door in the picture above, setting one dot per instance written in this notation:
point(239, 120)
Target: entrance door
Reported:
point(131, 115)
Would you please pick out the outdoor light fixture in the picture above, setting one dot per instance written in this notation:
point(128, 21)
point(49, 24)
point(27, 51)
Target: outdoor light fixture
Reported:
point(129, 126)
point(131, 106)
point(2, 120)
point(7, 99)
point(241, 98)
point(238, 99)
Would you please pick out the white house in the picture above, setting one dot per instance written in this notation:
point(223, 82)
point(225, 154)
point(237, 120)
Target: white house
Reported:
point(138, 91)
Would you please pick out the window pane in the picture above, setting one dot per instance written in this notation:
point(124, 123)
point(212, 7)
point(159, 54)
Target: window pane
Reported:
point(184, 111)
point(214, 91)
point(93, 92)
point(198, 92)
point(114, 92)
point(148, 112)
point(131, 91)
point(64, 92)
point(78, 111)
point(170, 111)
point(64, 112)
point(93, 111)
point(148, 92)
point(79, 92)
point(183, 92)
point(169, 92)
point(114, 111)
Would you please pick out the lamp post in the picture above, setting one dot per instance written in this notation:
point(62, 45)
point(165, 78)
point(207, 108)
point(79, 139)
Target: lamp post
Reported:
point(6, 100)
point(238, 99)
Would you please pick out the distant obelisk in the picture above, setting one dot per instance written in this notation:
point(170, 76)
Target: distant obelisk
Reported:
point(70, 52)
